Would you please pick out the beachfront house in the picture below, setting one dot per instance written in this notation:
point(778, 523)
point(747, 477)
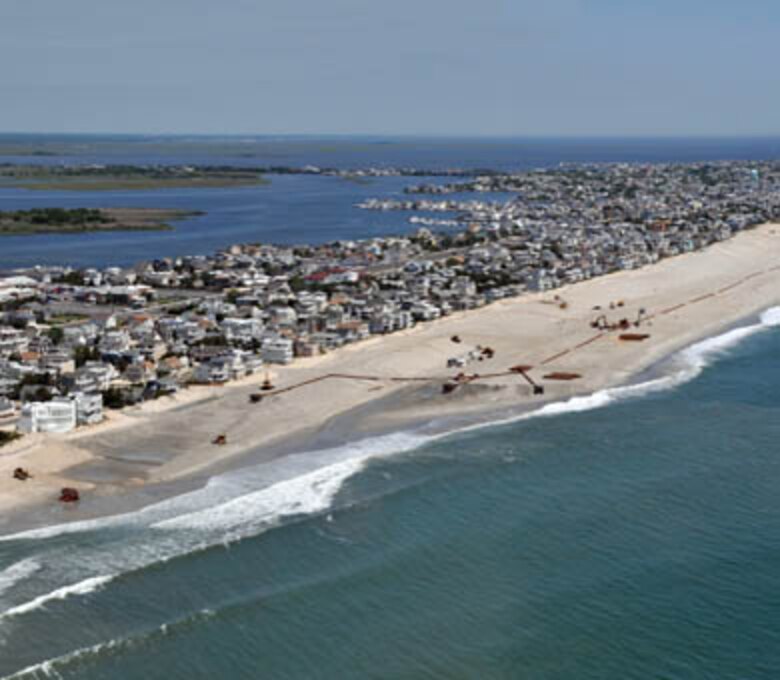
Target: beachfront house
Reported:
point(211, 372)
point(7, 409)
point(278, 351)
point(56, 416)
point(89, 408)
point(541, 280)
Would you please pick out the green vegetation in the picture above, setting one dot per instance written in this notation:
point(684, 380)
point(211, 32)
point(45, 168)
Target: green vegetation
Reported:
point(124, 177)
point(75, 220)
point(56, 335)
point(7, 437)
point(82, 355)
point(57, 216)
point(74, 278)
point(114, 398)
point(65, 319)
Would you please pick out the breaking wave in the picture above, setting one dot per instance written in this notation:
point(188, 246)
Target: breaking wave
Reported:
point(52, 667)
point(84, 587)
point(303, 494)
point(17, 572)
point(244, 503)
point(684, 367)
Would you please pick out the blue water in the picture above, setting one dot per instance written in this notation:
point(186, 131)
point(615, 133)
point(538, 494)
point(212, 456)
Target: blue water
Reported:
point(638, 539)
point(636, 534)
point(293, 209)
point(388, 151)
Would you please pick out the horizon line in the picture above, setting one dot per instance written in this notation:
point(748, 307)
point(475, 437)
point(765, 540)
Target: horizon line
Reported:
point(396, 135)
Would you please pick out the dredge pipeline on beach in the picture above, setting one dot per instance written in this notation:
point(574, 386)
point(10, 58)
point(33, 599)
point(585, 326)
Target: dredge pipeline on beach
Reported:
point(477, 377)
point(170, 441)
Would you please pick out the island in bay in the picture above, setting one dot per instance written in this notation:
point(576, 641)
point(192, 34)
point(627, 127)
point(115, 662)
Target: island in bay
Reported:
point(124, 177)
point(79, 220)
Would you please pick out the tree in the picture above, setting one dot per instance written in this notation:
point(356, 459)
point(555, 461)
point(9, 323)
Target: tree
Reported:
point(84, 354)
point(297, 283)
point(74, 278)
point(41, 394)
point(56, 334)
point(113, 398)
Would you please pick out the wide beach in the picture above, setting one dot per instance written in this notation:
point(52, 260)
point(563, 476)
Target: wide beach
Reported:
point(169, 442)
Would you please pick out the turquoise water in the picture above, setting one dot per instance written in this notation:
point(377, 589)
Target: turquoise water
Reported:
point(631, 534)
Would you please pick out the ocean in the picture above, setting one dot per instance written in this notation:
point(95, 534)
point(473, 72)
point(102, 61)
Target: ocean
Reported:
point(632, 533)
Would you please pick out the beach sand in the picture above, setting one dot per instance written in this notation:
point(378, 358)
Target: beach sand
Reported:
point(687, 298)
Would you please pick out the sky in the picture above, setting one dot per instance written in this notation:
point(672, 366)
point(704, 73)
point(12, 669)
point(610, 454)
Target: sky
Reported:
point(405, 67)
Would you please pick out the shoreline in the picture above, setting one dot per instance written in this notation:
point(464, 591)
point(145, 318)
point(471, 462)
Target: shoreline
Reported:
point(135, 458)
point(154, 497)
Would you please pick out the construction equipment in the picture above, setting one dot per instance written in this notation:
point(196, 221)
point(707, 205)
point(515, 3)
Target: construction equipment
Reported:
point(562, 375)
point(633, 337)
point(523, 370)
point(220, 440)
point(267, 384)
point(21, 474)
point(69, 495)
point(601, 323)
point(255, 398)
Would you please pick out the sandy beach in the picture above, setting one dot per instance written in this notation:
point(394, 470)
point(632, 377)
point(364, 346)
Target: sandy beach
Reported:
point(685, 299)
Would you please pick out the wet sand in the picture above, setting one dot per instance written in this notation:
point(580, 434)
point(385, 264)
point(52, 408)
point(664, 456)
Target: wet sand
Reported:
point(165, 446)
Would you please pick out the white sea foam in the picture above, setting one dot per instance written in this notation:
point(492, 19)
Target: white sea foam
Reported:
point(306, 493)
point(241, 504)
point(135, 517)
point(84, 587)
point(771, 317)
point(48, 668)
point(686, 365)
point(17, 572)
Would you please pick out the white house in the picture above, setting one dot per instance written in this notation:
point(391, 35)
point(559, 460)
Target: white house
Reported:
point(57, 416)
point(211, 372)
point(6, 408)
point(89, 408)
point(242, 330)
point(278, 351)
